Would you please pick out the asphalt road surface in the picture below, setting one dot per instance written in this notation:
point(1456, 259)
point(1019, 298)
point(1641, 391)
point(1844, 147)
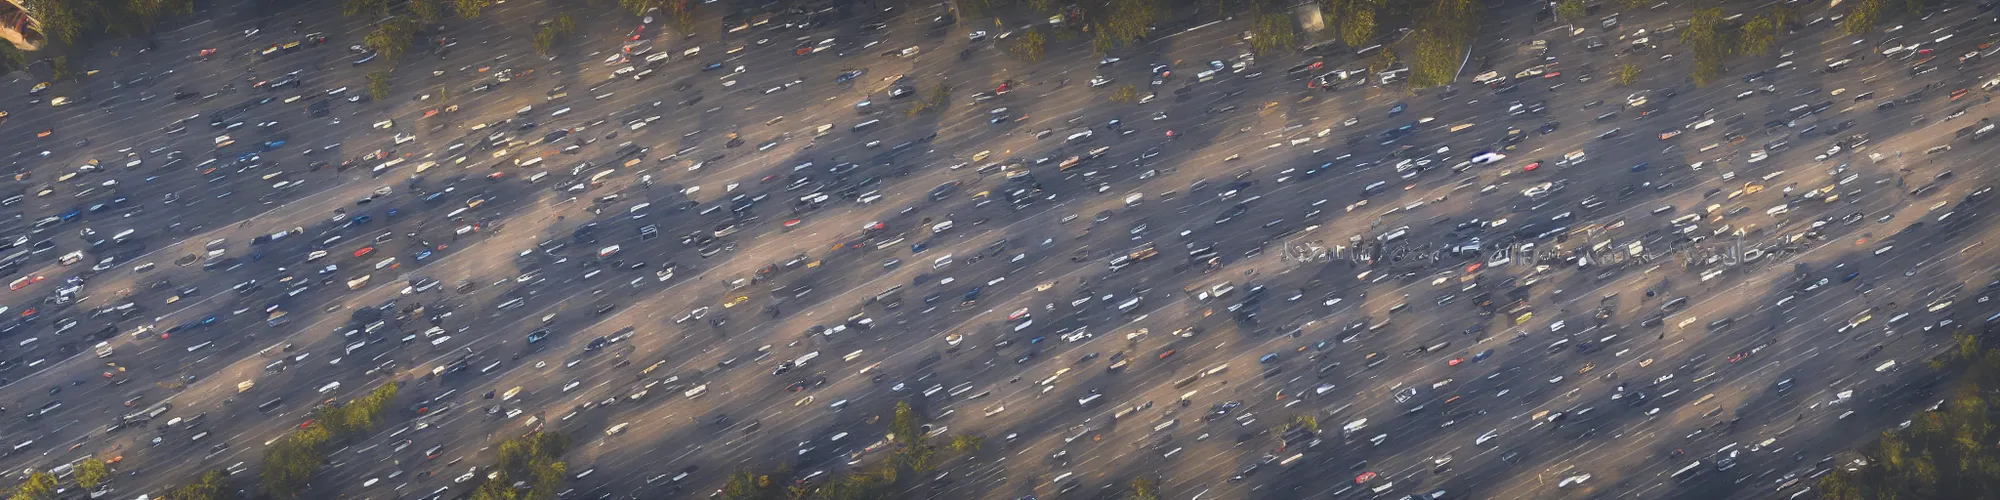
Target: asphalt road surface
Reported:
point(1159, 307)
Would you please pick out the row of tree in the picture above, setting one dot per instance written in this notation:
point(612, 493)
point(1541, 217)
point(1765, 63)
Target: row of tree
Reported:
point(72, 21)
point(535, 458)
point(1942, 454)
point(92, 473)
point(912, 452)
point(1713, 39)
point(291, 462)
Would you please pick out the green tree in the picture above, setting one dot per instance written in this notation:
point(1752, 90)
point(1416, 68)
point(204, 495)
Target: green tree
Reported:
point(1144, 488)
point(1704, 34)
point(91, 472)
point(1382, 61)
point(1042, 6)
point(1570, 10)
point(391, 38)
point(1125, 94)
point(1914, 7)
point(1273, 32)
point(1633, 4)
point(1031, 45)
point(59, 68)
point(1444, 33)
point(471, 8)
point(1351, 21)
point(1130, 20)
point(1628, 74)
point(427, 11)
point(500, 487)
point(211, 485)
point(39, 486)
point(290, 463)
point(965, 443)
point(378, 85)
point(545, 39)
point(747, 485)
point(375, 8)
point(1863, 17)
point(904, 424)
point(1757, 36)
point(1306, 421)
point(564, 24)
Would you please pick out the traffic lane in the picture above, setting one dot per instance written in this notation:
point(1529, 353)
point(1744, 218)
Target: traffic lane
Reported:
point(185, 407)
point(1782, 348)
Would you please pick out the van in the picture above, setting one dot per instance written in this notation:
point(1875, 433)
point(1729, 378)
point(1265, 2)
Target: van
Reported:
point(696, 392)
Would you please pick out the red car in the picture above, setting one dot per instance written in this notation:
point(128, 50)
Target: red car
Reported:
point(1454, 361)
point(1531, 167)
point(364, 251)
point(25, 281)
point(1364, 477)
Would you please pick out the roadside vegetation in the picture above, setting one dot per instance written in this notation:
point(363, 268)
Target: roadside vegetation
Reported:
point(910, 451)
point(290, 463)
point(1946, 453)
point(536, 459)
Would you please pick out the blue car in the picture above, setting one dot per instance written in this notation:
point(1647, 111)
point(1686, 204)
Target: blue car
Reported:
point(359, 220)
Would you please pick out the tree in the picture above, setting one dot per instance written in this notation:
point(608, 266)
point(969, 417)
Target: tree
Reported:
point(1031, 45)
point(1570, 10)
point(964, 443)
point(290, 463)
point(1628, 74)
point(59, 68)
point(39, 486)
point(564, 24)
point(639, 7)
point(1273, 32)
point(1445, 31)
point(1144, 488)
point(471, 8)
point(211, 485)
point(904, 424)
point(91, 472)
point(392, 38)
point(1130, 20)
point(1352, 21)
point(376, 8)
point(1863, 17)
point(747, 485)
point(545, 39)
point(1126, 93)
point(1704, 35)
point(1306, 421)
point(427, 11)
point(1757, 36)
point(378, 85)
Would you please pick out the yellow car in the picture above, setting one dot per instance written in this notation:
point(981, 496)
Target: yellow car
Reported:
point(738, 300)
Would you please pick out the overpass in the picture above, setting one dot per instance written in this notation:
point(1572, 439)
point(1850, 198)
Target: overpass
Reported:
point(19, 27)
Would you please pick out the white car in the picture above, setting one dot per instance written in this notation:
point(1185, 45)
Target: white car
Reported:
point(1099, 81)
